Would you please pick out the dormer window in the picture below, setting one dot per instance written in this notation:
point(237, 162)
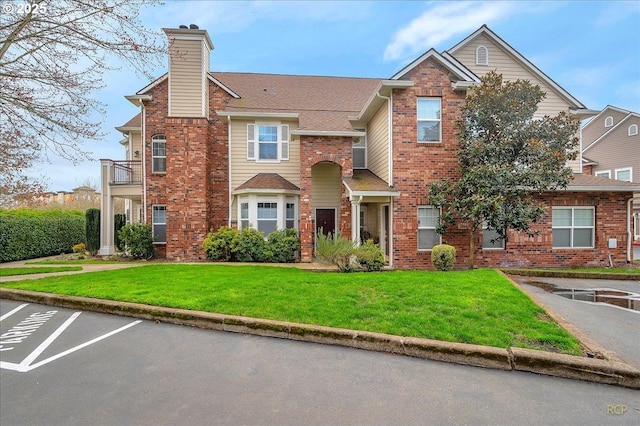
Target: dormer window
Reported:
point(482, 55)
point(608, 122)
point(633, 130)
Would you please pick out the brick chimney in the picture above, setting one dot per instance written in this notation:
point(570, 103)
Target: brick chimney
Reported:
point(189, 50)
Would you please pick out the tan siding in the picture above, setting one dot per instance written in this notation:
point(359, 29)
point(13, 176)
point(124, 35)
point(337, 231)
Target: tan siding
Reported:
point(378, 143)
point(185, 79)
point(326, 185)
point(511, 69)
point(136, 144)
point(618, 150)
point(595, 128)
point(242, 169)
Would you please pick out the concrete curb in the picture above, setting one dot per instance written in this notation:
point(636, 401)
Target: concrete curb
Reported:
point(514, 359)
point(573, 274)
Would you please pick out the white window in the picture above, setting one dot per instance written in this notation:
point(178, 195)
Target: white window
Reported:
point(268, 213)
point(608, 122)
point(604, 173)
point(267, 142)
point(429, 117)
point(491, 239)
point(159, 154)
point(482, 55)
point(624, 174)
point(573, 227)
point(360, 152)
point(427, 221)
point(159, 223)
point(633, 130)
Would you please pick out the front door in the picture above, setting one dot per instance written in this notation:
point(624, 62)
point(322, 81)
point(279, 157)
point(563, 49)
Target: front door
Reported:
point(326, 221)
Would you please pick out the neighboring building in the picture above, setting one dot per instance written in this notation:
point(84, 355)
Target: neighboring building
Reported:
point(611, 149)
point(80, 198)
point(330, 153)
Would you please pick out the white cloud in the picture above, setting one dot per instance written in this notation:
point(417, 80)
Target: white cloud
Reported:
point(441, 23)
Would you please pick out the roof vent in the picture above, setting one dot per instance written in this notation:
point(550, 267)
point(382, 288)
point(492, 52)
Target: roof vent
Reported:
point(194, 27)
point(183, 27)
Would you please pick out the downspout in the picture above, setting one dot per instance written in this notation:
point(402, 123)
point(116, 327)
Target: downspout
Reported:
point(229, 157)
point(629, 231)
point(144, 164)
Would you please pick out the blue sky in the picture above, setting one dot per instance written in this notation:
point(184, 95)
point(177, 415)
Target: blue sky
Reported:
point(591, 48)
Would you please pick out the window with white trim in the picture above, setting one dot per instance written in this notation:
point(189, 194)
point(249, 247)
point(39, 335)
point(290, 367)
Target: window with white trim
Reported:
point(490, 238)
point(573, 227)
point(159, 223)
point(429, 119)
point(624, 174)
point(360, 152)
point(267, 142)
point(428, 218)
point(268, 213)
point(608, 122)
point(633, 130)
point(482, 55)
point(604, 174)
point(159, 154)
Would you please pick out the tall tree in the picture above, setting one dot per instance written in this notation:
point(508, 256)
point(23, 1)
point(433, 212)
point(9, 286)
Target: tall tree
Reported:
point(508, 158)
point(53, 55)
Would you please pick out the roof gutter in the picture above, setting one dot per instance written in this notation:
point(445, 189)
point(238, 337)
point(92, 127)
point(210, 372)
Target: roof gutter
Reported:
point(138, 99)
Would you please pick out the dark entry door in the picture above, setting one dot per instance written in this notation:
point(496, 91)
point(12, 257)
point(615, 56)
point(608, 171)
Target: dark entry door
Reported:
point(326, 219)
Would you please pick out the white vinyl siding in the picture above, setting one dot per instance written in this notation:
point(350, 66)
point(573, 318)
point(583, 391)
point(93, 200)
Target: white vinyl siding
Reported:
point(378, 143)
point(187, 81)
point(573, 227)
point(427, 221)
point(326, 185)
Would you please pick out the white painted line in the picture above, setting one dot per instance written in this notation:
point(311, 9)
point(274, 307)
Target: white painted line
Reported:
point(48, 341)
point(84, 345)
point(8, 314)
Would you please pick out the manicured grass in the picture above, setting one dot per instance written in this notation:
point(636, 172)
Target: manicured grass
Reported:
point(76, 262)
point(5, 272)
point(478, 307)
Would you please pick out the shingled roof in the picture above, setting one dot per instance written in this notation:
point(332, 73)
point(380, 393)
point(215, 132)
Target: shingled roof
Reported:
point(270, 181)
point(582, 182)
point(322, 103)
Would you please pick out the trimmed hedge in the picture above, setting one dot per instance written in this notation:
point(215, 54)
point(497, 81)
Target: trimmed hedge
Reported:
point(93, 230)
point(28, 234)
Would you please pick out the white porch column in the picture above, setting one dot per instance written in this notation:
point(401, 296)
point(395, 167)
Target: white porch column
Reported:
point(355, 219)
point(106, 210)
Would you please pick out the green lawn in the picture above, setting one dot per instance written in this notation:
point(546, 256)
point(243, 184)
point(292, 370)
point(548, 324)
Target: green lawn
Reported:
point(478, 307)
point(5, 272)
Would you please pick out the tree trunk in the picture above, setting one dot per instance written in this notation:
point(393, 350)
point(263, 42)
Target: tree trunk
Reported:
point(472, 246)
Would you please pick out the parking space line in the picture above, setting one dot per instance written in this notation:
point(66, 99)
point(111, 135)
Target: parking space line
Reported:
point(13, 311)
point(48, 341)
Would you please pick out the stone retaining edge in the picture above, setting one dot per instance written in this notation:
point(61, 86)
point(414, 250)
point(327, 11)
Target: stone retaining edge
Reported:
point(572, 274)
point(514, 359)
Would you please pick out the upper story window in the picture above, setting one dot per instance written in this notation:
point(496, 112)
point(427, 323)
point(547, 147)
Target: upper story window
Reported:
point(159, 154)
point(608, 122)
point(429, 118)
point(267, 142)
point(633, 130)
point(624, 174)
point(360, 152)
point(604, 173)
point(482, 55)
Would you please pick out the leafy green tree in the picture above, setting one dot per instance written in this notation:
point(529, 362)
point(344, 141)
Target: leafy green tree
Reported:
point(508, 157)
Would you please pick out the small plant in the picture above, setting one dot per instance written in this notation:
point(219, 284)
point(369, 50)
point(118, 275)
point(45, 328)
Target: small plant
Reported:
point(251, 246)
point(336, 249)
point(79, 248)
point(137, 239)
point(221, 245)
point(284, 245)
point(443, 257)
point(369, 256)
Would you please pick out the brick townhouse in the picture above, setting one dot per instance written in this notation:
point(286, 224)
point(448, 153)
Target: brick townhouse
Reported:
point(322, 154)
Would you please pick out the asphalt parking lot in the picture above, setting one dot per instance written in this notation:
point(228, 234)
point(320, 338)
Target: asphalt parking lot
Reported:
point(68, 367)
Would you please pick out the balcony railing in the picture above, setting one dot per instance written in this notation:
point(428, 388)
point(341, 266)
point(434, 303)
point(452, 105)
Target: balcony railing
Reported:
point(126, 172)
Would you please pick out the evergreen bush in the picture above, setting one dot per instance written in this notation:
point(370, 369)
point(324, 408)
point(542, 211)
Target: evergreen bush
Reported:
point(221, 245)
point(283, 245)
point(119, 220)
point(137, 239)
point(93, 231)
point(443, 257)
point(251, 247)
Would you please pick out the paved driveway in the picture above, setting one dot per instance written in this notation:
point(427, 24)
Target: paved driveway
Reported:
point(156, 374)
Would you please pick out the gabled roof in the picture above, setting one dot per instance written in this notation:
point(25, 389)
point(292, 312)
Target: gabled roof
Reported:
point(135, 123)
point(612, 129)
point(605, 110)
point(484, 30)
point(322, 104)
point(461, 73)
point(267, 182)
point(581, 182)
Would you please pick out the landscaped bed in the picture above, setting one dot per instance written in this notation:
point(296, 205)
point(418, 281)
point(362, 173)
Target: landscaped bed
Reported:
point(477, 307)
